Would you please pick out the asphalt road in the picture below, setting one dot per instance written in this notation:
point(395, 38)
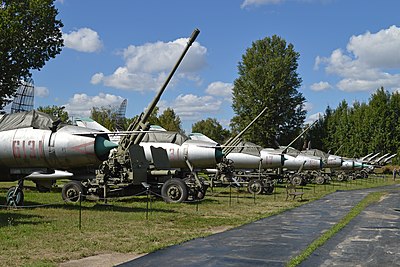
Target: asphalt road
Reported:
point(369, 240)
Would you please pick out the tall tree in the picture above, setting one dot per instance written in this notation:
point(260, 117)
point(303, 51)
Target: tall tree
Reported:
point(55, 111)
point(29, 36)
point(363, 127)
point(379, 120)
point(268, 77)
point(211, 128)
point(170, 121)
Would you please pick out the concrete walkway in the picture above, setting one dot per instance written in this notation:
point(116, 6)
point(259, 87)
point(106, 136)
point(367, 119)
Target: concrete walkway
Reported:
point(268, 242)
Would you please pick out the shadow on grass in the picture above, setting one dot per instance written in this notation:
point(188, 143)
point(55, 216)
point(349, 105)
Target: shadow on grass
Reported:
point(13, 219)
point(109, 207)
point(30, 205)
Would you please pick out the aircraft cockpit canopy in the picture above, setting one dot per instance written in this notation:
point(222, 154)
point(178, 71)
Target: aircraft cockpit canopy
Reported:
point(247, 148)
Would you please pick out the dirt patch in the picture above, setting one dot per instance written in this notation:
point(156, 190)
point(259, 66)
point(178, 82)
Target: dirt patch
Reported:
point(219, 229)
point(102, 260)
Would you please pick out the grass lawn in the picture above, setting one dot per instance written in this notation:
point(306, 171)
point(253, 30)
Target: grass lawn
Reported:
point(49, 235)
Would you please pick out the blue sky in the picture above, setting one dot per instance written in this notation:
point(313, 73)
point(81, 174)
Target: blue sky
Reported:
point(124, 49)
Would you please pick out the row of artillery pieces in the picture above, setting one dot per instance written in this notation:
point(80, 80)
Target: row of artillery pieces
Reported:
point(265, 183)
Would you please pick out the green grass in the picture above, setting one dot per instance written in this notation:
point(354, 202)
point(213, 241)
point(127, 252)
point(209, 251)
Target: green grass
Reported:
point(368, 200)
point(47, 236)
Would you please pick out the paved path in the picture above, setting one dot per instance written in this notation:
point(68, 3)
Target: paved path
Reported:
point(268, 242)
point(370, 239)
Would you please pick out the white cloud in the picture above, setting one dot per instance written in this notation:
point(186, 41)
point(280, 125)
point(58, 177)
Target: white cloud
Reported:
point(41, 91)
point(256, 3)
point(380, 50)
point(220, 89)
point(313, 117)
point(81, 104)
point(307, 106)
point(370, 61)
point(192, 107)
point(83, 40)
point(247, 3)
point(147, 66)
point(320, 86)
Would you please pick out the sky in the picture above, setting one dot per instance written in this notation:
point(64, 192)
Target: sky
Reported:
point(125, 49)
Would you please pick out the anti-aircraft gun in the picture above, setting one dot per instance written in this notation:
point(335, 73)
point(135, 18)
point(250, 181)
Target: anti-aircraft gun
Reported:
point(127, 172)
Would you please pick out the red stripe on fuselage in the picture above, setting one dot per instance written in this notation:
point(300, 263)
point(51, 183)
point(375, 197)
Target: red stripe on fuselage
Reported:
point(82, 148)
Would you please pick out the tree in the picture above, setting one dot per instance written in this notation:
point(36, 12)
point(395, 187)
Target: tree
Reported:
point(29, 36)
point(55, 111)
point(211, 128)
point(152, 119)
point(105, 117)
point(357, 130)
point(268, 77)
point(170, 121)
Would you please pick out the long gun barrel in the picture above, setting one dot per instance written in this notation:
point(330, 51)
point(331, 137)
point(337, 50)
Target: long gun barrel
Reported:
point(229, 145)
point(141, 122)
point(294, 140)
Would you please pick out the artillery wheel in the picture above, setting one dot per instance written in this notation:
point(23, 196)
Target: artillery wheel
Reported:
point(319, 180)
point(364, 174)
point(15, 197)
point(70, 191)
point(341, 177)
point(269, 189)
point(297, 180)
point(255, 187)
point(174, 191)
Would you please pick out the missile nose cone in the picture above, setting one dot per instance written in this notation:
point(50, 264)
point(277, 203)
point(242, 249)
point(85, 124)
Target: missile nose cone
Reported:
point(103, 147)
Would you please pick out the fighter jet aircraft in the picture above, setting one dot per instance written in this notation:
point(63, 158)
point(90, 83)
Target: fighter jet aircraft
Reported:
point(34, 146)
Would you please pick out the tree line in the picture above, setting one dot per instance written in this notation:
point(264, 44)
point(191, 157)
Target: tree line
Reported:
point(360, 129)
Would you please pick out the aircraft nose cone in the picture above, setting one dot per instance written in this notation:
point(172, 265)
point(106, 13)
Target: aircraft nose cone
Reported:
point(103, 147)
point(283, 158)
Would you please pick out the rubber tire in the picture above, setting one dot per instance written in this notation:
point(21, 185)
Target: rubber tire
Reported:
point(255, 187)
point(174, 191)
point(319, 180)
point(70, 191)
point(18, 199)
point(364, 174)
point(297, 180)
point(269, 189)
